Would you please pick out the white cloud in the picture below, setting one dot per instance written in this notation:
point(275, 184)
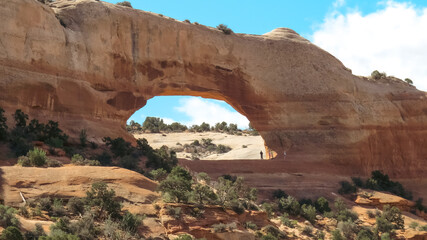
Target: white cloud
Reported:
point(202, 110)
point(339, 3)
point(168, 120)
point(392, 39)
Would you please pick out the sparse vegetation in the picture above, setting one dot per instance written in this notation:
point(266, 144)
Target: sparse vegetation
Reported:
point(225, 29)
point(377, 75)
point(125, 4)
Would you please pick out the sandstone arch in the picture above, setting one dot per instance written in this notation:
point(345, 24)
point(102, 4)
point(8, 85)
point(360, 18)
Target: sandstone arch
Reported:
point(101, 62)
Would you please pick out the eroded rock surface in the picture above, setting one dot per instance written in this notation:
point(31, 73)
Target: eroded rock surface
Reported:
point(90, 64)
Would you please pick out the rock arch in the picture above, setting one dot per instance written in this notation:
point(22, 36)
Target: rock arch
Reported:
point(90, 64)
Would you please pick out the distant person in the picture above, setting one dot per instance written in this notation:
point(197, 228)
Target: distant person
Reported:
point(260, 153)
point(284, 155)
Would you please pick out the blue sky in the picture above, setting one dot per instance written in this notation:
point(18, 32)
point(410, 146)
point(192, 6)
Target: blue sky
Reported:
point(365, 35)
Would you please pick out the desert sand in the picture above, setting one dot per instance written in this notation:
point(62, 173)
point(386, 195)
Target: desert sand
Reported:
point(254, 144)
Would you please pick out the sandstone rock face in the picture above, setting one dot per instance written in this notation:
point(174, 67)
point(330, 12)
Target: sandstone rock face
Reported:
point(90, 64)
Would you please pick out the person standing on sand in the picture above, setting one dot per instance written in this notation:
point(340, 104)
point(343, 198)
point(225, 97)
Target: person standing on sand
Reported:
point(260, 153)
point(284, 155)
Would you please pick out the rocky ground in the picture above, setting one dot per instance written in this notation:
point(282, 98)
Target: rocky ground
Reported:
point(138, 195)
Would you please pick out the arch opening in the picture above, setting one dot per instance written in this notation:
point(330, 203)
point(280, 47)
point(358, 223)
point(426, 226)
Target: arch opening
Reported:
point(197, 128)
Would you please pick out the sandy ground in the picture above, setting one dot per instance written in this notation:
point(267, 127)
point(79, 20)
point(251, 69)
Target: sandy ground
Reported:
point(254, 144)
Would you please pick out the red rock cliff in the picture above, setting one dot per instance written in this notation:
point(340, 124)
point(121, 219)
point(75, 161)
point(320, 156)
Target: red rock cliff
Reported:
point(90, 64)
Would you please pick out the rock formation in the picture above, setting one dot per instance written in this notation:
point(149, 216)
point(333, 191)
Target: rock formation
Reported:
point(90, 64)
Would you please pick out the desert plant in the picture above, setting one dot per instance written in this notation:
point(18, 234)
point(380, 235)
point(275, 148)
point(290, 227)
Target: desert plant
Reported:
point(423, 228)
point(390, 219)
point(322, 205)
point(3, 126)
point(290, 205)
point(377, 75)
point(348, 228)
point(307, 230)
point(131, 222)
point(175, 212)
point(220, 227)
point(83, 137)
point(53, 163)
point(159, 174)
point(250, 225)
point(11, 233)
point(24, 161)
point(409, 81)
point(365, 234)
point(347, 188)
point(414, 225)
point(37, 157)
point(103, 199)
point(336, 235)
point(288, 222)
point(308, 212)
point(224, 28)
point(76, 205)
point(177, 184)
point(7, 217)
point(125, 4)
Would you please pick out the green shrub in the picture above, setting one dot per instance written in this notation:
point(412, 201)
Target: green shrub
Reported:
point(377, 75)
point(390, 219)
point(381, 182)
point(203, 194)
point(268, 208)
point(83, 137)
point(346, 215)
point(307, 230)
point(409, 81)
point(125, 4)
point(78, 160)
point(288, 222)
point(197, 212)
point(45, 203)
point(159, 174)
point(290, 205)
point(24, 161)
point(104, 200)
point(279, 193)
point(58, 209)
point(177, 184)
point(250, 225)
point(320, 235)
point(385, 236)
point(347, 188)
point(131, 222)
point(371, 214)
point(219, 228)
point(222, 148)
point(129, 162)
point(118, 146)
point(365, 234)
point(348, 228)
point(37, 157)
point(414, 225)
point(3, 126)
point(423, 228)
point(224, 28)
point(7, 217)
point(11, 233)
point(358, 182)
point(53, 163)
point(322, 205)
point(336, 235)
point(309, 212)
point(273, 231)
point(59, 235)
point(104, 159)
point(175, 212)
point(76, 205)
point(269, 237)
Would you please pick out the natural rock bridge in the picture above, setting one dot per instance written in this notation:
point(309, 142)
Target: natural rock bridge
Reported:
point(90, 64)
